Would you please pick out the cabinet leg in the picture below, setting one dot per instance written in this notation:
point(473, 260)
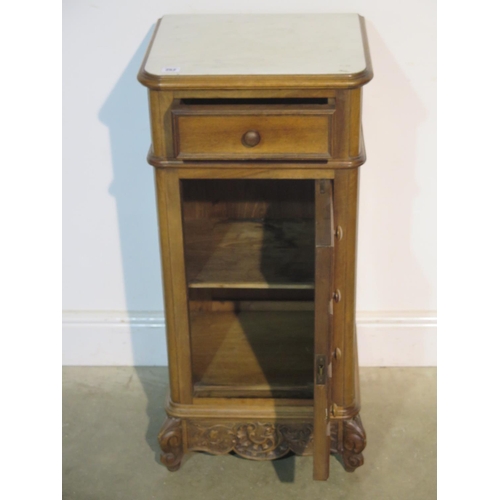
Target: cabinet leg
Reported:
point(170, 439)
point(352, 443)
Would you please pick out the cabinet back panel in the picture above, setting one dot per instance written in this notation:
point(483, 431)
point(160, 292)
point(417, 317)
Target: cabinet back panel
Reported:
point(247, 199)
point(252, 353)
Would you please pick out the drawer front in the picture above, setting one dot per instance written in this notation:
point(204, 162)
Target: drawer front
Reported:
point(253, 134)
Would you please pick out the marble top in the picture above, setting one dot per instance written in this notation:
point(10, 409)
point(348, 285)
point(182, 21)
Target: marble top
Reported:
point(257, 44)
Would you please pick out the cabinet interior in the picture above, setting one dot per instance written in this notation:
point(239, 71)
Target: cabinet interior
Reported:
point(249, 254)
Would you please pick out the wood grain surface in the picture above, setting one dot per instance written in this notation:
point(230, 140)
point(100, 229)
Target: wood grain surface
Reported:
point(236, 353)
point(250, 254)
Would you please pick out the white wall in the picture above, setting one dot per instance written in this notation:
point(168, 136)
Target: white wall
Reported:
point(111, 269)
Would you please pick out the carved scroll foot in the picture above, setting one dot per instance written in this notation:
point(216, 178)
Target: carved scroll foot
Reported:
point(351, 444)
point(354, 442)
point(170, 439)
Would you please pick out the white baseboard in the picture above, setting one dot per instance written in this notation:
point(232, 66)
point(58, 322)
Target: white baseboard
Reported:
point(102, 338)
point(397, 338)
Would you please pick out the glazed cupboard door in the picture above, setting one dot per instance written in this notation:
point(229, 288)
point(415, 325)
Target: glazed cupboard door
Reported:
point(322, 326)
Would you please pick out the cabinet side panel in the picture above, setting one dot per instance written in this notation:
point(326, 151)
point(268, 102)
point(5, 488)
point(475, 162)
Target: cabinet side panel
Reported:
point(174, 282)
point(355, 122)
point(345, 213)
point(160, 103)
point(352, 186)
point(346, 124)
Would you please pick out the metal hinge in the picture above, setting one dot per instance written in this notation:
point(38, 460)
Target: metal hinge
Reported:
point(335, 410)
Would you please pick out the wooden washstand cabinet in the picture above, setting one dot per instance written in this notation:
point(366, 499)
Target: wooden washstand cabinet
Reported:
point(257, 143)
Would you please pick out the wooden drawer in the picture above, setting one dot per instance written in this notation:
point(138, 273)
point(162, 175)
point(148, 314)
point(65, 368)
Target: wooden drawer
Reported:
point(253, 131)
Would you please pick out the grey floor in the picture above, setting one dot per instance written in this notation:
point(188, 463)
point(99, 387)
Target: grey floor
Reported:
point(111, 417)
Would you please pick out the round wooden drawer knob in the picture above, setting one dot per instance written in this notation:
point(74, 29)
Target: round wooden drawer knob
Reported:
point(250, 138)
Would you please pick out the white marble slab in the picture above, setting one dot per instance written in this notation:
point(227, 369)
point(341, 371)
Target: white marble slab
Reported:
point(257, 44)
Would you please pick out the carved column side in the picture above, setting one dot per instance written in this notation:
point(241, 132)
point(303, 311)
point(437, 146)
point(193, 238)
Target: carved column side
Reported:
point(170, 439)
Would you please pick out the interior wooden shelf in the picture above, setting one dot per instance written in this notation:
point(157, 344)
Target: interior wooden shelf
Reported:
point(249, 253)
point(253, 354)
